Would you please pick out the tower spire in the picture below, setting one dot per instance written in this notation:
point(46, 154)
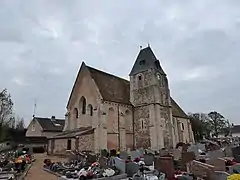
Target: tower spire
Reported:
point(34, 107)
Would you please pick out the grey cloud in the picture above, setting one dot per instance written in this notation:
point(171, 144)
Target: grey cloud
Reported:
point(43, 43)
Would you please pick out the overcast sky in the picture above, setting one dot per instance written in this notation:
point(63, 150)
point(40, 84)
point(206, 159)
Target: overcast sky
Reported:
point(43, 42)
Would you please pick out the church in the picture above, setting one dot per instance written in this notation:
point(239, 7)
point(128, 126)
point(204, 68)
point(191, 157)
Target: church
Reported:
point(108, 112)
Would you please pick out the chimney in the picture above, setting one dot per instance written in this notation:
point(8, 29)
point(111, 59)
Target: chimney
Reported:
point(53, 118)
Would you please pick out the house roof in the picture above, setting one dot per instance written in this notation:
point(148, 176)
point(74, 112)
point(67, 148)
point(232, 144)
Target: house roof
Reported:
point(235, 129)
point(75, 132)
point(48, 124)
point(146, 60)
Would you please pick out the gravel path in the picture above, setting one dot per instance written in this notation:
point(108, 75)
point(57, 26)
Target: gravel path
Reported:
point(36, 172)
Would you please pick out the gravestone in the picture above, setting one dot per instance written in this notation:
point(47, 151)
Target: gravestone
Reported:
point(165, 165)
point(163, 152)
point(201, 170)
point(135, 154)
point(148, 159)
point(219, 164)
point(131, 168)
point(236, 153)
point(215, 154)
point(103, 162)
point(177, 154)
point(228, 151)
point(91, 158)
point(123, 155)
point(120, 164)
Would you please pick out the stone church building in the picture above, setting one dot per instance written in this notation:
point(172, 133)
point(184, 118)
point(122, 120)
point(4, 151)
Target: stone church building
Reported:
point(105, 111)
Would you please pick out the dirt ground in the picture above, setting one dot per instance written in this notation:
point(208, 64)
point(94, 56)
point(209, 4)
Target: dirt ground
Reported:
point(36, 172)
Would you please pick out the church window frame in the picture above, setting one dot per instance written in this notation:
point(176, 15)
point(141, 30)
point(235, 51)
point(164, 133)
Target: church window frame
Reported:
point(83, 105)
point(90, 110)
point(139, 77)
point(75, 112)
point(142, 62)
point(182, 126)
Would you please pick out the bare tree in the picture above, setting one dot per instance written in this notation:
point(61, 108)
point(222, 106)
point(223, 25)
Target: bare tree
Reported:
point(20, 123)
point(6, 111)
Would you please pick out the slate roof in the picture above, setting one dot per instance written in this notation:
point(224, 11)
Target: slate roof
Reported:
point(112, 88)
point(49, 125)
point(146, 60)
point(235, 129)
point(115, 89)
point(74, 132)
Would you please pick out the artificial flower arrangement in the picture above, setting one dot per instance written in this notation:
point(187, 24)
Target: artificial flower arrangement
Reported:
point(234, 177)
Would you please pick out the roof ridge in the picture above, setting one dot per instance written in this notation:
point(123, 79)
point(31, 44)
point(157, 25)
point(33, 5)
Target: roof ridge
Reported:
point(107, 73)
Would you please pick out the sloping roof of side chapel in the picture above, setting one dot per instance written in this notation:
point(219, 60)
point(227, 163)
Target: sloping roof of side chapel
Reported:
point(116, 89)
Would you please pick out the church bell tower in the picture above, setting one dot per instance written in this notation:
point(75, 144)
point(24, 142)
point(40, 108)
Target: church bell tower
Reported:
point(150, 96)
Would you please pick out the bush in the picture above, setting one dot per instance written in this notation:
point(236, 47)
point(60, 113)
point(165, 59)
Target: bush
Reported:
point(38, 149)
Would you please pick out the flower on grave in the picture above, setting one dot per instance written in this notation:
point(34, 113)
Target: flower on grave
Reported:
point(234, 177)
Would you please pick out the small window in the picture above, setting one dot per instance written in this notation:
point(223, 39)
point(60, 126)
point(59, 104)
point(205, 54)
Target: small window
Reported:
point(33, 127)
point(142, 62)
point(142, 124)
point(69, 144)
point(182, 126)
point(140, 78)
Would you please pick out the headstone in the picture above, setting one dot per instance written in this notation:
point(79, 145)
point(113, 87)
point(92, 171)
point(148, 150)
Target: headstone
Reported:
point(148, 159)
point(103, 162)
point(135, 154)
point(216, 154)
point(131, 168)
point(219, 164)
point(165, 165)
point(123, 155)
point(228, 151)
point(91, 158)
point(163, 152)
point(177, 154)
point(188, 157)
point(236, 153)
point(201, 170)
point(120, 164)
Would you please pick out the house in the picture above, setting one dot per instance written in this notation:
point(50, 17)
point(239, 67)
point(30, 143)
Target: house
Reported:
point(105, 111)
point(234, 131)
point(44, 127)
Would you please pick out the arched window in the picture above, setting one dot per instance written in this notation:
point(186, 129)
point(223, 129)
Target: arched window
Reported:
point(82, 104)
point(90, 110)
point(75, 112)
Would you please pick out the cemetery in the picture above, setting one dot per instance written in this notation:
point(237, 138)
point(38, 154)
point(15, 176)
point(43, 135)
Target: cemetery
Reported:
point(14, 164)
point(207, 160)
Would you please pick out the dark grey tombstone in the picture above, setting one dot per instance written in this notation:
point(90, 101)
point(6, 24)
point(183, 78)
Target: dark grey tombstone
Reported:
point(236, 153)
point(120, 164)
point(216, 154)
point(91, 158)
point(131, 168)
point(123, 155)
point(103, 162)
point(148, 159)
point(135, 154)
